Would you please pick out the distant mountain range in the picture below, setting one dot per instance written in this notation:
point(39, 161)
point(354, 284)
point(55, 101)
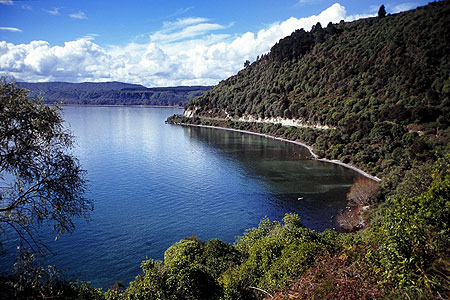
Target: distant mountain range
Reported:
point(112, 93)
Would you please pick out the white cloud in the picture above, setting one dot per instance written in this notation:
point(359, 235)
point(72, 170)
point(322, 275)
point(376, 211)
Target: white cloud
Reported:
point(6, 2)
point(184, 29)
point(54, 11)
point(189, 51)
point(360, 16)
point(38, 60)
point(303, 2)
point(78, 15)
point(91, 36)
point(179, 12)
point(12, 29)
point(401, 7)
point(180, 23)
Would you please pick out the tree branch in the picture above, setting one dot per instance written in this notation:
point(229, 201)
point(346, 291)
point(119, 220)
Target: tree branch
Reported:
point(261, 290)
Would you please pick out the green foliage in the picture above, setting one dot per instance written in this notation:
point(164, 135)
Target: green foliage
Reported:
point(40, 179)
point(182, 254)
point(188, 275)
point(416, 236)
point(245, 242)
point(32, 280)
point(403, 255)
point(190, 270)
point(220, 256)
point(84, 291)
point(273, 254)
point(150, 285)
point(266, 257)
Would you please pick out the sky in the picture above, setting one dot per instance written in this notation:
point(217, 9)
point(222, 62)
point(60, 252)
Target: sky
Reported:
point(156, 42)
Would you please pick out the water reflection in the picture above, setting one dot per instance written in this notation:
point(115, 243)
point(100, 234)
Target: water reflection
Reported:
point(313, 189)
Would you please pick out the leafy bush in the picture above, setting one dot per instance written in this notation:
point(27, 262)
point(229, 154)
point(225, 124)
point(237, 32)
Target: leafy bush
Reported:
point(273, 254)
point(416, 237)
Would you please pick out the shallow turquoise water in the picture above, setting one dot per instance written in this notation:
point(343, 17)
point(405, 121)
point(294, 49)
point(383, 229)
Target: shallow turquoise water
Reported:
point(155, 183)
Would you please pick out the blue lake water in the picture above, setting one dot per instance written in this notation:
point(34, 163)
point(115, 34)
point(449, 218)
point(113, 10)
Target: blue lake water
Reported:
point(154, 183)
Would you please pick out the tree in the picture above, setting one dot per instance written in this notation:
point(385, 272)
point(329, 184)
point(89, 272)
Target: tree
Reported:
point(246, 63)
point(360, 194)
point(41, 182)
point(362, 190)
point(382, 12)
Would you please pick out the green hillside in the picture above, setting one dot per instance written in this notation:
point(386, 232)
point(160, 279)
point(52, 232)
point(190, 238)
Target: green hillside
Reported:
point(374, 93)
point(381, 84)
point(112, 93)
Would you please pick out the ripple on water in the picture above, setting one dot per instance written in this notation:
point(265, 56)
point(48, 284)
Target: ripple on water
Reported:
point(154, 184)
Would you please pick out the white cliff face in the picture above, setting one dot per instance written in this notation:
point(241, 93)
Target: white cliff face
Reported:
point(274, 120)
point(188, 113)
point(283, 121)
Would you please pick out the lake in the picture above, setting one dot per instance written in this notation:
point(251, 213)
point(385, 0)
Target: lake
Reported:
point(154, 183)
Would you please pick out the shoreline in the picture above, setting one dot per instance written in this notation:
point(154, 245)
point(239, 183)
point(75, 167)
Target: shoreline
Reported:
point(124, 105)
point(310, 149)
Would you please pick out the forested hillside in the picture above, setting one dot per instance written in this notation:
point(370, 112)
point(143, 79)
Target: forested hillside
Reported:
point(381, 84)
point(374, 93)
point(112, 93)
